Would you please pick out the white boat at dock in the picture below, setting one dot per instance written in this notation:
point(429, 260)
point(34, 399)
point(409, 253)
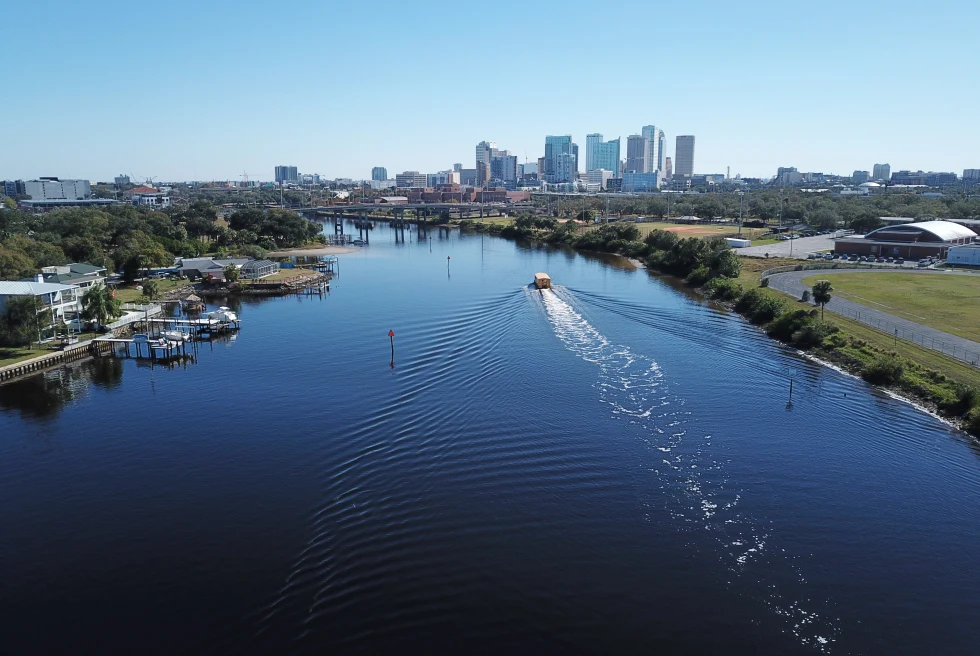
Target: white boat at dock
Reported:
point(224, 314)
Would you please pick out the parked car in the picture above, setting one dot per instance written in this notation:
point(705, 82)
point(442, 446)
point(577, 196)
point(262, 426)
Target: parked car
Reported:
point(880, 260)
point(828, 256)
point(899, 260)
point(890, 260)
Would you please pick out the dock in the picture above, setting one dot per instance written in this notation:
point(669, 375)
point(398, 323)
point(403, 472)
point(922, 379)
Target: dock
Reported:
point(154, 349)
point(212, 326)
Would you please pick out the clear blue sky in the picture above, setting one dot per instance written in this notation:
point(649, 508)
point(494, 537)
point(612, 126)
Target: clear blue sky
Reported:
point(209, 90)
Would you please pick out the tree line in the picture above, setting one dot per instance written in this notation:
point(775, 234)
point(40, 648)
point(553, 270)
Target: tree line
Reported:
point(127, 238)
point(823, 210)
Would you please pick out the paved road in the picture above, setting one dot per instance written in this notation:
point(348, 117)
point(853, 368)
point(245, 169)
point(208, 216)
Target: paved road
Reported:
point(957, 347)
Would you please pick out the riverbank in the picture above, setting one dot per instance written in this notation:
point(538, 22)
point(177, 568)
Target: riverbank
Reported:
point(948, 387)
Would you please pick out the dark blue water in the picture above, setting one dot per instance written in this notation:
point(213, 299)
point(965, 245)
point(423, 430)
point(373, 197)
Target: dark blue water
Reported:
point(608, 467)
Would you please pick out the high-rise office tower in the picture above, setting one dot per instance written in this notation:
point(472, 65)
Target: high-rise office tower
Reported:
point(882, 172)
point(554, 146)
point(379, 173)
point(684, 155)
point(651, 156)
point(668, 167)
point(601, 154)
point(287, 174)
point(661, 149)
point(592, 142)
point(503, 167)
point(485, 151)
point(636, 147)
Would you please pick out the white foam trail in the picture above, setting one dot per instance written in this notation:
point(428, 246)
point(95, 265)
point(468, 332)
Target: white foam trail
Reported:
point(633, 385)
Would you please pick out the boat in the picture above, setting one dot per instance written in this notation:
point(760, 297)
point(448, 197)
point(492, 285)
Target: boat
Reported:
point(175, 335)
point(224, 314)
point(542, 281)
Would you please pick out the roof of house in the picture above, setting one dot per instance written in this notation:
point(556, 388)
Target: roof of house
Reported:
point(86, 269)
point(205, 263)
point(143, 189)
point(944, 230)
point(25, 288)
point(65, 278)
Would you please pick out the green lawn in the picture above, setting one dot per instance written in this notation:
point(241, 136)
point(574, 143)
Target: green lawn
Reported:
point(945, 302)
point(15, 355)
point(282, 274)
point(129, 294)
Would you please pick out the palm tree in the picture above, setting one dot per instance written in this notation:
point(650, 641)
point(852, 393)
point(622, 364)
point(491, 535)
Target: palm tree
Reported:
point(151, 288)
point(821, 294)
point(100, 306)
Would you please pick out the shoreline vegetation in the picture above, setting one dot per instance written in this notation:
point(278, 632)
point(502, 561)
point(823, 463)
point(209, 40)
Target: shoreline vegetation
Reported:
point(942, 385)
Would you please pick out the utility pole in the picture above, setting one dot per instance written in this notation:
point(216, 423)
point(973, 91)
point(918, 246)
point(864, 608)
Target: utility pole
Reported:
point(741, 195)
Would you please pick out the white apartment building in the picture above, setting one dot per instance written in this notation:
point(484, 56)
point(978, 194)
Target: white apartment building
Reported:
point(55, 189)
point(59, 302)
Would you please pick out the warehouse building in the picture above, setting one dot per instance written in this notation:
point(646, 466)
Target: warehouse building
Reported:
point(908, 240)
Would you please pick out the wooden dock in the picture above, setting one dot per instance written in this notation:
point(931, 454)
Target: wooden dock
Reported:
point(154, 349)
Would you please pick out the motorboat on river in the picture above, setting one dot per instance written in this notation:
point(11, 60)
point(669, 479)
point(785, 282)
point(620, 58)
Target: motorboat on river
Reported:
point(542, 281)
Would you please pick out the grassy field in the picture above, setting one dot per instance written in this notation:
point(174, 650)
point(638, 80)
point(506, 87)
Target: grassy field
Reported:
point(14, 355)
point(698, 230)
point(282, 274)
point(957, 371)
point(945, 302)
point(130, 294)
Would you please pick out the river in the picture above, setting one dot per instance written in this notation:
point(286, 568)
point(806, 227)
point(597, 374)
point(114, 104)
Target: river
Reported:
point(607, 467)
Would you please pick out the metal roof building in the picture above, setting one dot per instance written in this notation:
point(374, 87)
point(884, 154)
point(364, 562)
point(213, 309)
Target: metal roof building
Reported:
point(908, 240)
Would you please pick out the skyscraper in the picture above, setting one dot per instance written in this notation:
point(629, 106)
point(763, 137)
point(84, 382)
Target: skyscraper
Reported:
point(882, 172)
point(553, 147)
point(636, 147)
point(485, 150)
point(503, 167)
point(661, 150)
point(684, 155)
point(379, 173)
point(601, 154)
point(668, 167)
point(592, 142)
point(652, 158)
point(287, 174)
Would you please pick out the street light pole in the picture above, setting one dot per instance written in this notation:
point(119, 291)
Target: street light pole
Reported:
point(741, 195)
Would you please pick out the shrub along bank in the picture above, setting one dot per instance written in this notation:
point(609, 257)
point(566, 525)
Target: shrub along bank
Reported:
point(715, 269)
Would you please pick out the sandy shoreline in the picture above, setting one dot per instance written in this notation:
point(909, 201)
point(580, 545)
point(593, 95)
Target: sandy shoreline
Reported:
point(311, 252)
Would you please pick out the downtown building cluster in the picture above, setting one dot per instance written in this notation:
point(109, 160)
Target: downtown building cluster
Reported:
point(643, 167)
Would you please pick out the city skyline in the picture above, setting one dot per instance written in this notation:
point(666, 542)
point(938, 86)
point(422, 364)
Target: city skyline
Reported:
point(756, 105)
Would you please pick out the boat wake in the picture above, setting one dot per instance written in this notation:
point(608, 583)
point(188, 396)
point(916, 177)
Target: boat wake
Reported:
point(693, 485)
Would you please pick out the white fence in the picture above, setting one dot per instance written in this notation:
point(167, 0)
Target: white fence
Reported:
point(134, 313)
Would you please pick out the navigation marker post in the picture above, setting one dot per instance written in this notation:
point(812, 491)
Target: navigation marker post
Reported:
point(391, 337)
point(447, 265)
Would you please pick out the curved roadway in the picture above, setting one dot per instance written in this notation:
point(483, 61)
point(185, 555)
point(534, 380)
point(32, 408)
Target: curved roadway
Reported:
point(957, 347)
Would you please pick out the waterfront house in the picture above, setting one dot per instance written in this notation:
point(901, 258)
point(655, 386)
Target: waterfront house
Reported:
point(207, 268)
point(58, 302)
point(86, 276)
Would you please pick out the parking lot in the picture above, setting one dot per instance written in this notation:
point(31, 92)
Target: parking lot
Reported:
point(797, 248)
